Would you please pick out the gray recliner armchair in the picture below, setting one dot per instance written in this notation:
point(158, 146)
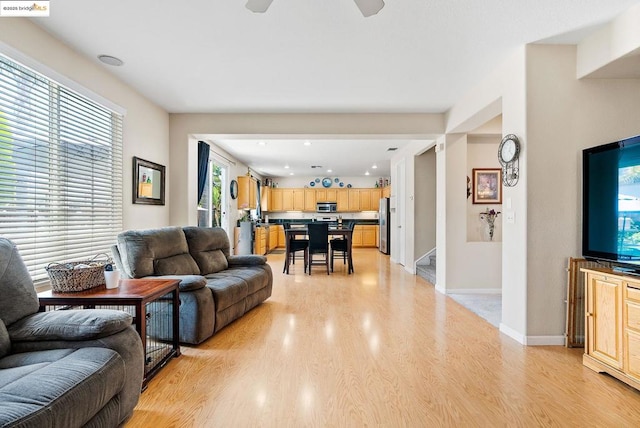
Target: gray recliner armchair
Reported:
point(69, 368)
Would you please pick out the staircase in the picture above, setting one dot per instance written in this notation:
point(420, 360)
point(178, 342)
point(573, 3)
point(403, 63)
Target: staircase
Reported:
point(427, 268)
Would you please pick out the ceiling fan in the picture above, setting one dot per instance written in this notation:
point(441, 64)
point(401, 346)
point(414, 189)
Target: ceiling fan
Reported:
point(367, 7)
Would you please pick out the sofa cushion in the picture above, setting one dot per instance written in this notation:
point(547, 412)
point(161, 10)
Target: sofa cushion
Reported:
point(247, 260)
point(181, 264)
point(254, 277)
point(72, 325)
point(209, 247)
point(141, 249)
point(5, 342)
point(58, 388)
point(227, 290)
point(19, 297)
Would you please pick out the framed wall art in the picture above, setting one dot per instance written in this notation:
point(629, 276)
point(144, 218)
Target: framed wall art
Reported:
point(148, 182)
point(487, 186)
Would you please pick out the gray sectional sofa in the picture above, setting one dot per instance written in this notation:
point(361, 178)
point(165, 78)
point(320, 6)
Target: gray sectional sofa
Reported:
point(216, 287)
point(71, 368)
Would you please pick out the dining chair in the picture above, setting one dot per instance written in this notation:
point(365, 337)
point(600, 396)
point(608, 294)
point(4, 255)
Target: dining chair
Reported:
point(294, 245)
point(340, 245)
point(318, 243)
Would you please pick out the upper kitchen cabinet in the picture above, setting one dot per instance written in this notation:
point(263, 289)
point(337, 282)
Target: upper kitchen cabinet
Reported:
point(247, 193)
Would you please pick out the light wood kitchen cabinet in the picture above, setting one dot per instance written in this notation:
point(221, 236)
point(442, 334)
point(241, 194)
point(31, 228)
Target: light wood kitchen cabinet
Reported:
point(287, 199)
point(332, 195)
point(265, 198)
point(321, 195)
point(369, 236)
point(247, 188)
point(364, 235)
point(273, 236)
point(612, 327)
point(260, 242)
point(386, 192)
point(275, 200)
point(342, 198)
point(354, 200)
point(376, 194)
point(298, 200)
point(281, 237)
point(310, 200)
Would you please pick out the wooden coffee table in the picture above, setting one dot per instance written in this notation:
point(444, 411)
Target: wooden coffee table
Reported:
point(137, 293)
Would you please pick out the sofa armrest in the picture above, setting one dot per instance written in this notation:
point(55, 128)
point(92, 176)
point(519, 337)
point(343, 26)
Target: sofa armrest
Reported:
point(70, 325)
point(187, 282)
point(247, 260)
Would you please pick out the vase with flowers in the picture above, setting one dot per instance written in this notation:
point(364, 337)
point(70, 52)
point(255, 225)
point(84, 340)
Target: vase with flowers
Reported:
point(489, 216)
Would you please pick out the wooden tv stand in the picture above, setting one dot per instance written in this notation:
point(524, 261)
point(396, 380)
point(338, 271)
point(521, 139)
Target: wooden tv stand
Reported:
point(612, 324)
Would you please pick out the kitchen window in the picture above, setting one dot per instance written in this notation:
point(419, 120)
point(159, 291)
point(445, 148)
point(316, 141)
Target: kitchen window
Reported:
point(60, 170)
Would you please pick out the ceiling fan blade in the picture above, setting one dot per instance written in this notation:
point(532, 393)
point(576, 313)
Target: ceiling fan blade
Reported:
point(369, 7)
point(258, 6)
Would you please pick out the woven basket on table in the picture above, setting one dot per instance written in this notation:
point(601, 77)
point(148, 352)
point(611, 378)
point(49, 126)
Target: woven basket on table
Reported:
point(64, 278)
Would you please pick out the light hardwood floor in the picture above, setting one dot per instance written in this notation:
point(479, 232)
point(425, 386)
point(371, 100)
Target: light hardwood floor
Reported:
point(377, 348)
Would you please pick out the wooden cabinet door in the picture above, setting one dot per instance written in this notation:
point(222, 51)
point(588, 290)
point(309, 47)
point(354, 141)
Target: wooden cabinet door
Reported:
point(342, 198)
point(376, 194)
point(287, 200)
point(604, 319)
point(310, 200)
point(273, 237)
point(356, 239)
point(365, 199)
point(354, 200)
point(332, 195)
point(321, 195)
point(275, 200)
point(281, 237)
point(265, 198)
point(298, 200)
point(369, 236)
point(243, 192)
point(386, 192)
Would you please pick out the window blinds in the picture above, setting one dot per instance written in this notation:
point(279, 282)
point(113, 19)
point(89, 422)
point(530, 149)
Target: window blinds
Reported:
point(60, 170)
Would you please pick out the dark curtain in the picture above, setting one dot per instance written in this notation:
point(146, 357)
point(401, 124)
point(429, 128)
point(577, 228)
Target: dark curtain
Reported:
point(203, 164)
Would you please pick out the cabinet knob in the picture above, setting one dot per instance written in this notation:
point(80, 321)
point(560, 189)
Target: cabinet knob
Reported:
point(589, 314)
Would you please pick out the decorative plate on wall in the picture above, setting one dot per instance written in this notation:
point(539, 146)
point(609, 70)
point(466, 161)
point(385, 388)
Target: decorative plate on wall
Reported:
point(326, 182)
point(312, 183)
point(317, 180)
point(341, 184)
point(337, 180)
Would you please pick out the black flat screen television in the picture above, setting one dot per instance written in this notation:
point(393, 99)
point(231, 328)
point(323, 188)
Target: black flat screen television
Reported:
point(611, 202)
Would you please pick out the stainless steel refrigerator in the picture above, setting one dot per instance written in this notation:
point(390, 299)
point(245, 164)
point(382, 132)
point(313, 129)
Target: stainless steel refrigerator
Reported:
point(385, 226)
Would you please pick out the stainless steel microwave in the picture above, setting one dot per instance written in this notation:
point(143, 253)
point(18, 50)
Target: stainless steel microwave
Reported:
point(326, 207)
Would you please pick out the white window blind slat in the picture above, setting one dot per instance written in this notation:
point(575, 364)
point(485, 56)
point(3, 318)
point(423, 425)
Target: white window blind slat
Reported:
point(60, 170)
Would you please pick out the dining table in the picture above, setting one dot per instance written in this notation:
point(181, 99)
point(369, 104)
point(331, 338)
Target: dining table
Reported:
point(345, 232)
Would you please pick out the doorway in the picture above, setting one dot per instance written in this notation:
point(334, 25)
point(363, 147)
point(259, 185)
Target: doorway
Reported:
point(213, 207)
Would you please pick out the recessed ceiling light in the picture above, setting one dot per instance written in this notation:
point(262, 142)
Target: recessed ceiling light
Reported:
point(307, 143)
point(111, 60)
point(366, 173)
point(291, 173)
point(286, 167)
point(329, 170)
point(374, 166)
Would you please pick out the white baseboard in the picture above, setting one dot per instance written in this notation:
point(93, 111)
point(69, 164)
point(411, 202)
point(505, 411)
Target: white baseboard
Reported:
point(440, 290)
point(474, 291)
point(520, 338)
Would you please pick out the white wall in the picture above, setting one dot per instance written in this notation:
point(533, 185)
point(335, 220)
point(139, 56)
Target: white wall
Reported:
point(146, 126)
point(565, 115)
point(482, 153)
point(503, 91)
